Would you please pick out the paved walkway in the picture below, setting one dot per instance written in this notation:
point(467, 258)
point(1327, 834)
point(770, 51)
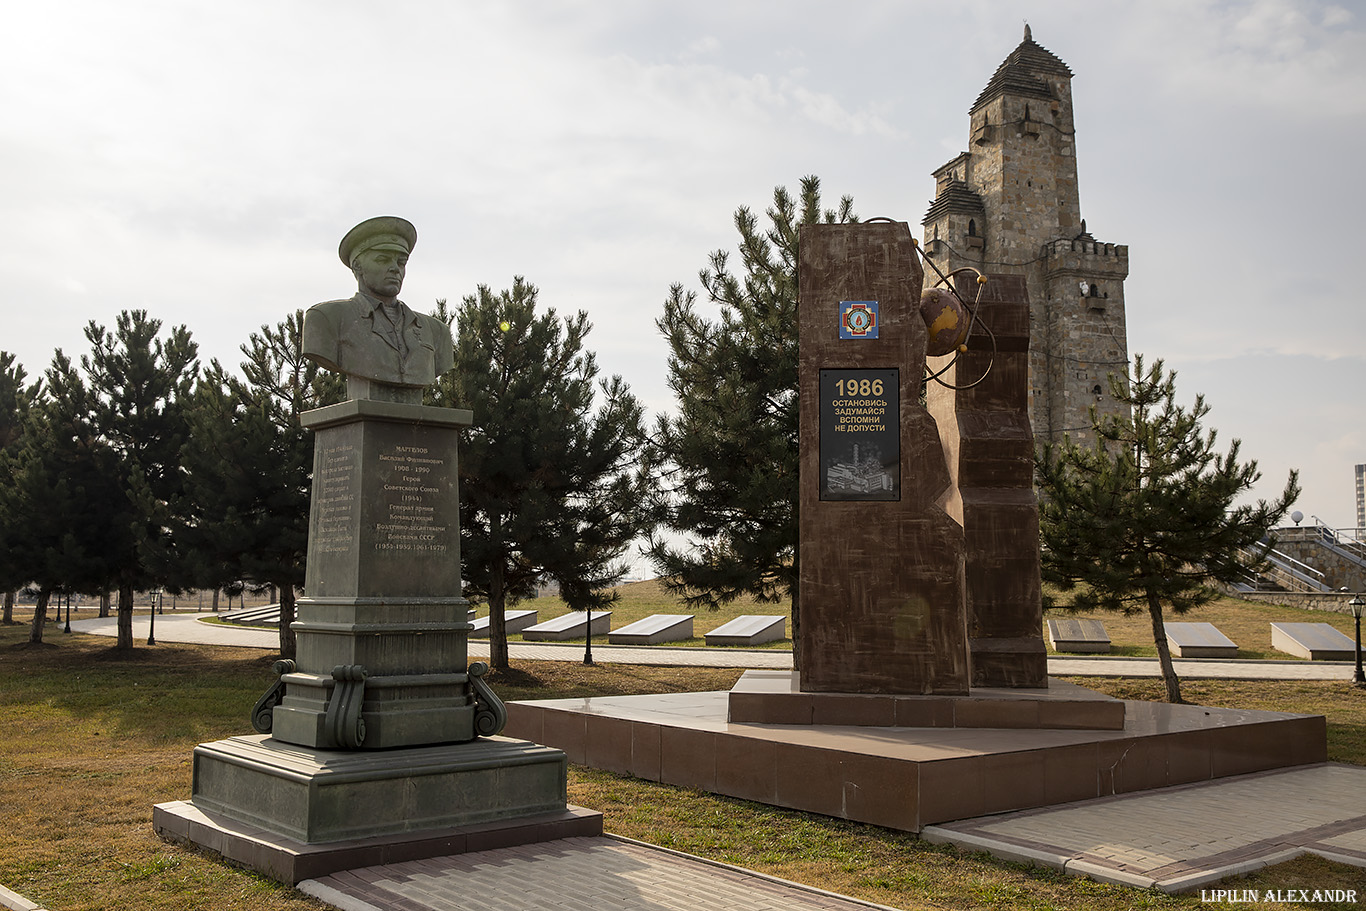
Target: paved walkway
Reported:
point(572, 874)
point(1187, 837)
point(190, 628)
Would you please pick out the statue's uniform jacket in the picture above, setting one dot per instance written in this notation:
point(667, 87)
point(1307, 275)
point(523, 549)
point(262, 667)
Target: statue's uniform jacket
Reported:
point(353, 337)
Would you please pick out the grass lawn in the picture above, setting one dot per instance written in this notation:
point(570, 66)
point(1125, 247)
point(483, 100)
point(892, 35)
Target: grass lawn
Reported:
point(1247, 623)
point(94, 738)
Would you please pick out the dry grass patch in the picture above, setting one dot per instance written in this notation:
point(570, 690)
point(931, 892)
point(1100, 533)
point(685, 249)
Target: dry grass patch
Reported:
point(1247, 623)
point(94, 738)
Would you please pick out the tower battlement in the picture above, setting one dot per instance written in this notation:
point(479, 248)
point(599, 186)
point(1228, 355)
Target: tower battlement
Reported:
point(1064, 248)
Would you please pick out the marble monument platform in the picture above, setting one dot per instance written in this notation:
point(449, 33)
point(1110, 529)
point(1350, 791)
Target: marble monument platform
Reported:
point(906, 777)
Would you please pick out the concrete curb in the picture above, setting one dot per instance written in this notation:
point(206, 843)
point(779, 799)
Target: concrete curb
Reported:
point(16, 902)
point(1001, 850)
point(744, 871)
point(335, 897)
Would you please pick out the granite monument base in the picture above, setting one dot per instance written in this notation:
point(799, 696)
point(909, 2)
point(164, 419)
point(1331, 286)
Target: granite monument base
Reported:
point(776, 697)
point(292, 812)
point(416, 690)
point(910, 777)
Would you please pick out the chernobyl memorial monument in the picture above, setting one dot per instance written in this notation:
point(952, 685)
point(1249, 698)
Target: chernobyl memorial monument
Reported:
point(379, 742)
point(923, 694)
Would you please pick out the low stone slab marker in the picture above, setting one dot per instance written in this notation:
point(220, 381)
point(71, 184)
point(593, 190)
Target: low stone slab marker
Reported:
point(1199, 640)
point(1071, 635)
point(653, 630)
point(1315, 641)
point(573, 625)
point(750, 629)
point(514, 620)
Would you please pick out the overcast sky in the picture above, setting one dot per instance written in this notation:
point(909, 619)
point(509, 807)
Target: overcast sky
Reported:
point(202, 161)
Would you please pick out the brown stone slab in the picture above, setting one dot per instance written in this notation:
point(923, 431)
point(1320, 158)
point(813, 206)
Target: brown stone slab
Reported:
point(981, 405)
point(907, 778)
point(775, 697)
point(881, 579)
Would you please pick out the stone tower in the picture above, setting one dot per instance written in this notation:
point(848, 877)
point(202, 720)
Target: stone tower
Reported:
point(1010, 205)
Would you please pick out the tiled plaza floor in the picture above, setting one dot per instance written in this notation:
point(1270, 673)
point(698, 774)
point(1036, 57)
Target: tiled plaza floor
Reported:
point(573, 874)
point(1185, 837)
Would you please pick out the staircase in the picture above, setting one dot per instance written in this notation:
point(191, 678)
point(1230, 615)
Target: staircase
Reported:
point(1282, 572)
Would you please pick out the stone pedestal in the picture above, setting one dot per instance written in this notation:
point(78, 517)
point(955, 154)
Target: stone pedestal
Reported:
point(380, 741)
point(382, 592)
point(776, 697)
point(320, 796)
point(881, 586)
point(986, 433)
point(295, 813)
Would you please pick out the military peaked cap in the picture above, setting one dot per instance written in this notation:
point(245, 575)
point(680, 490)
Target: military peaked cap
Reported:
point(387, 232)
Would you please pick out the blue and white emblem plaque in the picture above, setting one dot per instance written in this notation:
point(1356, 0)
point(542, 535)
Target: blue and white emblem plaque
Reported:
point(858, 319)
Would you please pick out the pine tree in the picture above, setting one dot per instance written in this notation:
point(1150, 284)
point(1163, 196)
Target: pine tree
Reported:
point(60, 501)
point(139, 385)
point(1147, 516)
point(16, 398)
point(549, 485)
point(249, 466)
point(728, 457)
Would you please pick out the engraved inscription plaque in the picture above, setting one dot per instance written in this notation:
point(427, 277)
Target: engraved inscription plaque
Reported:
point(411, 497)
point(860, 434)
point(385, 520)
point(337, 485)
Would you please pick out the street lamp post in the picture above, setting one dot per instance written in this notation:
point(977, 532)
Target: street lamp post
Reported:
point(152, 619)
point(1356, 604)
point(588, 642)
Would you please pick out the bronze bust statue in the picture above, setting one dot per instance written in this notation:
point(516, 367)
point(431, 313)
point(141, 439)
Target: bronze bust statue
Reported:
point(373, 335)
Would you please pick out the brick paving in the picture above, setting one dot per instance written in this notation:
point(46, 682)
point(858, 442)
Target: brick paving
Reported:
point(583, 874)
point(1183, 838)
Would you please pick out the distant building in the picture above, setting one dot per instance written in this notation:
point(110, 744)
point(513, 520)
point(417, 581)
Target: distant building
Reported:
point(1361, 496)
point(1010, 205)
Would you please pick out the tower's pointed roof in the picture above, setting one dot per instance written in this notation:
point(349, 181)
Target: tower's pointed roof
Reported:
point(1019, 73)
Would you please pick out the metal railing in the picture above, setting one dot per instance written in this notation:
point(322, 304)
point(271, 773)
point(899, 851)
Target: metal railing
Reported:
point(1285, 572)
point(1351, 542)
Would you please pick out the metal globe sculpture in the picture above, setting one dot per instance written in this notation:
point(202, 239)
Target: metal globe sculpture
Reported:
point(946, 321)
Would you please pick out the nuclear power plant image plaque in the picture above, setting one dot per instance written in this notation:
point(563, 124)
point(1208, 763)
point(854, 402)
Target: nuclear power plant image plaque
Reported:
point(860, 435)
